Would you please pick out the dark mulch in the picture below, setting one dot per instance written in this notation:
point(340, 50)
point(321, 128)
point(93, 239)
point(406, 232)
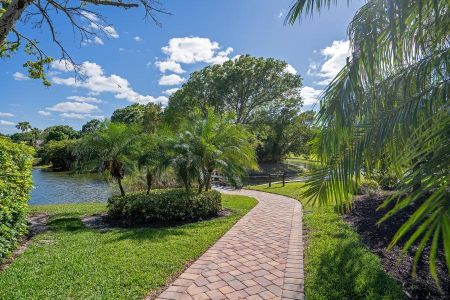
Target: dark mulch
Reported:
point(363, 218)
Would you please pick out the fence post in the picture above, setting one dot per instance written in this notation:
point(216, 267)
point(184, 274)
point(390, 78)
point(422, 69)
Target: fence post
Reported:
point(284, 177)
point(270, 180)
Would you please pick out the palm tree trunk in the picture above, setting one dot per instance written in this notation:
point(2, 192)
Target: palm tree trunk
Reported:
point(119, 181)
point(149, 182)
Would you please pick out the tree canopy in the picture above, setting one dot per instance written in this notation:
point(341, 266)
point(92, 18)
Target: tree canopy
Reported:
point(259, 93)
point(246, 86)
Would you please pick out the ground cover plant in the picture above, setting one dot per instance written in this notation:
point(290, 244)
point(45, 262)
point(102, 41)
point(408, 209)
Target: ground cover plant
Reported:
point(73, 262)
point(337, 263)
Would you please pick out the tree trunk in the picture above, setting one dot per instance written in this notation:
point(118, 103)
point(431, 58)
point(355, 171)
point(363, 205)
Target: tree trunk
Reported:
point(119, 181)
point(149, 181)
point(208, 181)
point(8, 20)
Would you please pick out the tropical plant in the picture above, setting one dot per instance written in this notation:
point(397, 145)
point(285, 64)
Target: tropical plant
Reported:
point(261, 93)
point(390, 103)
point(213, 143)
point(23, 126)
point(154, 155)
point(109, 149)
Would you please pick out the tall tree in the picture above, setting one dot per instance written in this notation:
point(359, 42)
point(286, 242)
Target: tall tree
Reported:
point(390, 104)
point(91, 126)
point(82, 15)
point(148, 116)
point(59, 133)
point(259, 92)
point(246, 86)
point(23, 126)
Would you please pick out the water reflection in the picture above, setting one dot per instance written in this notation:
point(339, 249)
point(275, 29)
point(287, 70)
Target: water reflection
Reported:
point(63, 187)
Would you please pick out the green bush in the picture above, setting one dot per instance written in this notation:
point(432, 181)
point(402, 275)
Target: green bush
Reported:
point(164, 206)
point(15, 184)
point(369, 187)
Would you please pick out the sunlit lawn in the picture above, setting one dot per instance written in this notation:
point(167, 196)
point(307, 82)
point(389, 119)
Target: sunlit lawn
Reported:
point(73, 262)
point(337, 264)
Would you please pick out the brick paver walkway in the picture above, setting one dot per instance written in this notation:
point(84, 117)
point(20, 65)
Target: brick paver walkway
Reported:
point(261, 257)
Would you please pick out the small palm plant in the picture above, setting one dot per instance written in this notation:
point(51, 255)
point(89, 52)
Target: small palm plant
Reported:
point(154, 154)
point(209, 143)
point(109, 149)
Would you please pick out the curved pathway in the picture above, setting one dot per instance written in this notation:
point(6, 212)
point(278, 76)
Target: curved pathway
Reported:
point(261, 257)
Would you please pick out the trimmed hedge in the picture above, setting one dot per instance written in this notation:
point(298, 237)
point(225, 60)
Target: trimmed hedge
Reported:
point(16, 162)
point(164, 206)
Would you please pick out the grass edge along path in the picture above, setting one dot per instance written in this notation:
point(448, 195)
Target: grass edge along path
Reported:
point(73, 262)
point(337, 264)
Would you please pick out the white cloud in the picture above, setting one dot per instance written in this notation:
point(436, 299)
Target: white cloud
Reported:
point(80, 116)
point(111, 32)
point(138, 39)
point(20, 76)
point(96, 41)
point(335, 57)
point(84, 99)
point(309, 95)
point(221, 57)
point(291, 69)
point(169, 66)
point(63, 65)
point(8, 115)
point(170, 91)
point(74, 107)
point(121, 49)
point(96, 82)
point(172, 79)
point(90, 16)
point(189, 50)
point(280, 15)
point(72, 116)
point(6, 123)
point(44, 113)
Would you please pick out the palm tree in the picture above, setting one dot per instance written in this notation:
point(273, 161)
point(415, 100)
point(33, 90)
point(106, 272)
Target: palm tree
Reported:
point(154, 154)
point(214, 143)
point(23, 126)
point(109, 149)
point(390, 104)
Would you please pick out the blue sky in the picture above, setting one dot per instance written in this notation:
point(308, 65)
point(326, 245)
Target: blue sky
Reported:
point(122, 66)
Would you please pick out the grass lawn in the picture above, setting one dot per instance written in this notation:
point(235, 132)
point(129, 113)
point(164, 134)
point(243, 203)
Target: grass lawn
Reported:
point(337, 264)
point(73, 262)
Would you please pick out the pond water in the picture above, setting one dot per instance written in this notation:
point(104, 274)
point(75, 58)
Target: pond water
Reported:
point(65, 187)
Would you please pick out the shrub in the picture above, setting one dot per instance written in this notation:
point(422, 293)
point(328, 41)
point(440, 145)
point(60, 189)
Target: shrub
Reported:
point(369, 187)
point(164, 206)
point(15, 184)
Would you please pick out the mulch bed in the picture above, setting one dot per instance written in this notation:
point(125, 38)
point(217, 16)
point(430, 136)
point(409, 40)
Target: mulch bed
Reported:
point(363, 218)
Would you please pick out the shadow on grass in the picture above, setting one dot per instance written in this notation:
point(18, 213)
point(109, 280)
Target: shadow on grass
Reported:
point(71, 222)
point(348, 271)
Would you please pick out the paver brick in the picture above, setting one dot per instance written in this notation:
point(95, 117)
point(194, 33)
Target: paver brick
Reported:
point(260, 257)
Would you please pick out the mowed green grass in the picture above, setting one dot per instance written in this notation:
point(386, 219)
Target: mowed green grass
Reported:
point(337, 263)
point(73, 262)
